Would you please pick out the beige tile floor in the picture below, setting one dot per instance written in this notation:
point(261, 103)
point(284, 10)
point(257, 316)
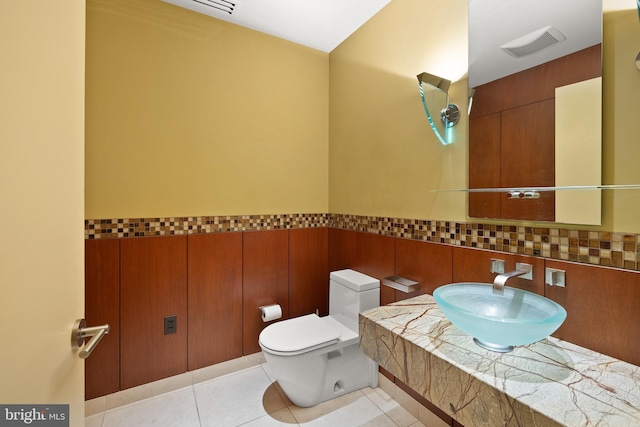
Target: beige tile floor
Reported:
point(251, 397)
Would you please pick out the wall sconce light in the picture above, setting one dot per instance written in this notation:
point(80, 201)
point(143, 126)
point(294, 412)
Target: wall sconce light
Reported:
point(439, 95)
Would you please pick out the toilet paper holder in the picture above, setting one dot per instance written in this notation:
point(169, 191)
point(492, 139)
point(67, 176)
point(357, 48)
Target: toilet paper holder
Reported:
point(270, 312)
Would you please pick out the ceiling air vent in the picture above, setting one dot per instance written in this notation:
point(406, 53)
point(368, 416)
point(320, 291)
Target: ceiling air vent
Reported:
point(221, 5)
point(533, 42)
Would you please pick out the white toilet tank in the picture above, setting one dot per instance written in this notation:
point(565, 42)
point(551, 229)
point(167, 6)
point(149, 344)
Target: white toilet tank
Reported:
point(351, 293)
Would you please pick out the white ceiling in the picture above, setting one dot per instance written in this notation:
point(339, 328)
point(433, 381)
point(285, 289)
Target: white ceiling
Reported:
point(319, 24)
point(324, 24)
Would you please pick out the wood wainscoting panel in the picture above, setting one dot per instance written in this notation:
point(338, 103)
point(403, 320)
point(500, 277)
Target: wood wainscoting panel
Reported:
point(375, 257)
point(424, 262)
point(308, 271)
point(603, 308)
point(214, 298)
point(342, 249)
point(265, 269)
point(153, 277)
point(102, 305)
point(474, 265)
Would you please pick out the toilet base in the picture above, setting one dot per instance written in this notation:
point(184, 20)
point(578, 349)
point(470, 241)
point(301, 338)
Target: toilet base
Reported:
point(312, 379)
point(348, 370)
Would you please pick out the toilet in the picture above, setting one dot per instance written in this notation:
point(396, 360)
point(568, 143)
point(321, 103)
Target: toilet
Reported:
point(314, 358)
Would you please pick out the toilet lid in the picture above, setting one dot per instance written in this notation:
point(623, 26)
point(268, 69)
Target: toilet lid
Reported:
point(297, 334)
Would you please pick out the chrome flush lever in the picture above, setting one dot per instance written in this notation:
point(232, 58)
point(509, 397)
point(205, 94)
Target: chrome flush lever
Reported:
point(80, 332)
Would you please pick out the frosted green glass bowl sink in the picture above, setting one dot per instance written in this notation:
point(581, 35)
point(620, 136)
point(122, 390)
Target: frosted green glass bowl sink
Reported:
point(499, 322)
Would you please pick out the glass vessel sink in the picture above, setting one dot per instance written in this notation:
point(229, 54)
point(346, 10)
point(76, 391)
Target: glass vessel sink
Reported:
point(498, 322)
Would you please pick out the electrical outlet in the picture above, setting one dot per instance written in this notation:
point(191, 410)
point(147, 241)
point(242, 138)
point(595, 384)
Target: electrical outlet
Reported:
point(170, 324)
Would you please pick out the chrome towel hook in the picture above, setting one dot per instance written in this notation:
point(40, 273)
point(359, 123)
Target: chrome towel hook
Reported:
point(80, 332)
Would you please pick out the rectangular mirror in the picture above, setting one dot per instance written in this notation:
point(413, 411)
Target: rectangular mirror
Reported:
point(536, 116)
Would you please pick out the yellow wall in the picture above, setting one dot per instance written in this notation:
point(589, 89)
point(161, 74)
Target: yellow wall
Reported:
point(384, 158)
point(188, 115)
point(621, 154)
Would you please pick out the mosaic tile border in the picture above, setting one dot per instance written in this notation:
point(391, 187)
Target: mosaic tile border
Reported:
point(592, 247)
point(602, 248)
point(146, 227)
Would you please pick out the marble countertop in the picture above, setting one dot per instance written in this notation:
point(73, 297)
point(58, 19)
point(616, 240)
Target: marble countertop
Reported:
point(548, 383)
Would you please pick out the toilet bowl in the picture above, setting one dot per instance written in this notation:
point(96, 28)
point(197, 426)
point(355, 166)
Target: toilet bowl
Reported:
point(314, 358)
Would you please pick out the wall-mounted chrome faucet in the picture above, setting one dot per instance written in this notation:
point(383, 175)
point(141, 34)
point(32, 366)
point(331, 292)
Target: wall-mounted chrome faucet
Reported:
point(525, 271)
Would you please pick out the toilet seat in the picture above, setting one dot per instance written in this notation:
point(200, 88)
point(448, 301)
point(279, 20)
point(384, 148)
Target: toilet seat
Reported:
point(298, 335)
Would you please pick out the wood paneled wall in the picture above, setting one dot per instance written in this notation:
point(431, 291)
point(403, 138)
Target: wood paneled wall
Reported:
point(265, 266)
point(423, 262)
point(102, 306)
point(342, 249)
point(223, 278)
point(153, 280)
point(474, 265)
point(215, 298)
point(603, 309)
point(214, 283)
point(375, 256)
point(309, 271)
